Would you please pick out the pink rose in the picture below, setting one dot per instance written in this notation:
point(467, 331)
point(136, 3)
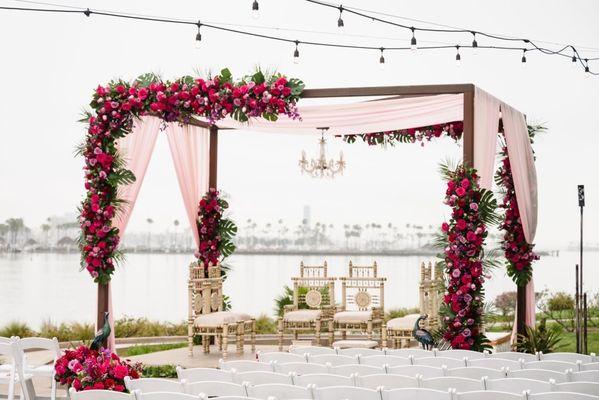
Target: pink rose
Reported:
point(460, 191)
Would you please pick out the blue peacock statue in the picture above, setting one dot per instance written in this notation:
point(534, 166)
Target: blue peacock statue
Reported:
point(423, 336)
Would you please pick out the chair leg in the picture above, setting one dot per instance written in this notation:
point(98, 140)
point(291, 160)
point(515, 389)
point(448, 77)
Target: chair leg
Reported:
point(53, 390)
point(225, 340)
point(384, 336)
point(253, 335)
point(331, 333)
point(317, 326)
point(205, 343)
point(369, 329)
point(240, 337)
point(190, 335)
point(280, 329)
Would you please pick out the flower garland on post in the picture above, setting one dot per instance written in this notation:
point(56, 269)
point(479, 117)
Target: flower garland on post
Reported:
point(464, 238)
point(116, 105)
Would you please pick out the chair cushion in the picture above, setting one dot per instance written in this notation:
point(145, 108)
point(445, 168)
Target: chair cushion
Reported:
point(403, 323)
point(353, 344)
point(352, 316)
point(302, 315)
point(219, 318)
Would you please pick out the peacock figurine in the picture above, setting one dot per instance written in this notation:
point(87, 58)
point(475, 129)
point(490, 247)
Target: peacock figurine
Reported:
point(423, 336)
point(101, 335)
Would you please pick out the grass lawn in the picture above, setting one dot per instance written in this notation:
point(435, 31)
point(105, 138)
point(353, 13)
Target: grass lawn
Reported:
point(140, 349)
point(568, 342)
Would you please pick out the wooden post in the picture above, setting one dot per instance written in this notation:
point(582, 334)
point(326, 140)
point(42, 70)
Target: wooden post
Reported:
point(468, 134)
point(102, 307)
point(212, 180)
point(521, 308)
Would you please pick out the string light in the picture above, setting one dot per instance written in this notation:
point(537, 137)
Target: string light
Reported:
point(413, 43)
point(340, 23)
point(458, 57)
point(87, 12)
point(198, 36)
point(255, 10)
point(474, 44)
point(523, 57)
point(296, 53)
point(382, 59)
point(586, 68)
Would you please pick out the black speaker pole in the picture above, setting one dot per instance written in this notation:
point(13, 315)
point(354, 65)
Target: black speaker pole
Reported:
point(577, 310)
point(581, 202)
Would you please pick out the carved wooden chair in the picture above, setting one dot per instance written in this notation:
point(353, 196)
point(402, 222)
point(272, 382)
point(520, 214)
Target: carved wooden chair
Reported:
point(313, 303)
point(206, 316)
point(363, 303)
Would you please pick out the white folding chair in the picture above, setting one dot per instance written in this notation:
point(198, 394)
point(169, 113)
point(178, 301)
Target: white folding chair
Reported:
point(232, 398)
point(489, 395)
point(332, 359)
point(146, 385)
point(495, 363)
point(558, 366)
point(388, 381)
point(279, 391)
point(568, 357)
point(323, 380)
point(301, 368)
point(100, 395)
point(444, 383)
point(381, 360)
point(204, 374)
point(164, 396)
point(263, 377)
point(518, 385)
point(415, 394)
point(590, 367)
point(514, 356)
point(591, 388)
point(413, 370)
point(561, 396)
point(360, 352)
point(476, 372)
point(538, 374)
point(311, 350)
point(406, 353)
point(585, 376)
point(439, 362)
point(214, 388)
point(460, 354)
point(280, 357)
point(244, 366)
point(357, 369)
point(44, 370)
point(13, 374)
point(345, 393)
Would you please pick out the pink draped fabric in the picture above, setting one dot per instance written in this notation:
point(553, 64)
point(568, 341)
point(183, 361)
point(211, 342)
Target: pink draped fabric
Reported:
point(136, 148)
point(190, 148)
point(486, 126)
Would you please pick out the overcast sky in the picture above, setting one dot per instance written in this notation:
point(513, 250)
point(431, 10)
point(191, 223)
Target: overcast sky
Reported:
point(51, 63)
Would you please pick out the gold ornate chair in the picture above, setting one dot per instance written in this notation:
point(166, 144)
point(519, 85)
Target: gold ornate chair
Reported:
point(206, 316)
point(363, 303)
point(313, 303)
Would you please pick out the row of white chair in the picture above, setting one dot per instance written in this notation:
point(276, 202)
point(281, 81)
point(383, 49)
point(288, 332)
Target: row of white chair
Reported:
point(388, 381)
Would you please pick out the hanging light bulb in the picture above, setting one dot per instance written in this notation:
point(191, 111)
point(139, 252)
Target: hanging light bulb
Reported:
point(255, 10)
point(340, 23)
point(574, 61)
point(198, 36)
point(474, 44)
point(458, 57)
point(382, 59)
point(523, 57)
point(296, 59)
point(413, 42)
point(586, 69)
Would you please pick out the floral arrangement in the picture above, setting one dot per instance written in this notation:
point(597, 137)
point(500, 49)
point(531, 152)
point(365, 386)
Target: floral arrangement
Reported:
point(453, 130)
point(114, 108)
point(86, 369)
point(464, 238)
point(216, 233)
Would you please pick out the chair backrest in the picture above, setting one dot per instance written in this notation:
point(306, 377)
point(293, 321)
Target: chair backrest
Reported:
point(413, 370)
point(311, 350)
point(232, 398)
point(145, 385)
point(314, 271)
point(381, 360)
point(359, 352)
point(460, 354)
point(323, 380)
point(585, 376)
point(332, 359)
point(567, 357)
point(204, 374)
point(213, 388)
point(388, 381)
point(279, 391)
point(164, 396)
point(495, 363)
point(590, 367)
point(363, 271)
point(351, 369)
point(561, 396)
point(431, 295)
point(363, 294)
point(538, 374)
point(301, 368)
point(439, 362)
point(444, 383)
point(518, 385)
point(205, 294)
point(476, 372)
point(591, 388)
point(406, 353)
point(514, 356)
point(263, 377)
point(415, 394)
point(4, 339)
point(490, 395)
point(31, 343)
point(558, 366)
point(100, 395)
point(346, 393)
point(245, 366)
point(280, 357)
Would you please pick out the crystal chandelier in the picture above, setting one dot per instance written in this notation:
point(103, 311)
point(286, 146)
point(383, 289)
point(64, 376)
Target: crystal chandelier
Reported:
point(321, 167)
